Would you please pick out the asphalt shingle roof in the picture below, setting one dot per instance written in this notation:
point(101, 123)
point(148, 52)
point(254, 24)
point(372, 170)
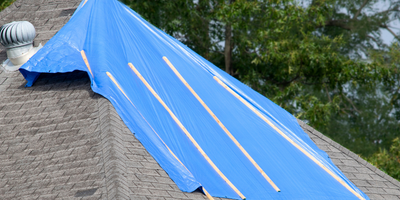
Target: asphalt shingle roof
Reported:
point(58, 139)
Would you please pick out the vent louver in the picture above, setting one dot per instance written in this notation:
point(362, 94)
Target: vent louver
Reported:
point(16, 34)
point(17, 37)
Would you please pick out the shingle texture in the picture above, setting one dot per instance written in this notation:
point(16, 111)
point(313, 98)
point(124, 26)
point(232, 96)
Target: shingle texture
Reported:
point(50, 145)
point(59, 140)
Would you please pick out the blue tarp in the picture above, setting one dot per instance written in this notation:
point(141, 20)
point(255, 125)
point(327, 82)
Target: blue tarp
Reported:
point(112, 35)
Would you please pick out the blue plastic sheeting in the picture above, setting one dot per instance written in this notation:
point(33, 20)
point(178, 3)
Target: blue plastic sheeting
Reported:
point(112, 35)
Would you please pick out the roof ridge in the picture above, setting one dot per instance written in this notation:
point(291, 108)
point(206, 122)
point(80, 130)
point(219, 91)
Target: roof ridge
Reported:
point(112, 142)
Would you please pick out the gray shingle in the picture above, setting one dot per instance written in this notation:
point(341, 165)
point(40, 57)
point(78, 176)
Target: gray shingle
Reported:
point(39, 159)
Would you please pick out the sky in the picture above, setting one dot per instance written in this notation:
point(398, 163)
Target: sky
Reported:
point(386, 36)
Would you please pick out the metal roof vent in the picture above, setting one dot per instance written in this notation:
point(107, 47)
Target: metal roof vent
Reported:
point(18, 37)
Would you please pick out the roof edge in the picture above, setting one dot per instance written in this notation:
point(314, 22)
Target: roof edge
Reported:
point(347, 152)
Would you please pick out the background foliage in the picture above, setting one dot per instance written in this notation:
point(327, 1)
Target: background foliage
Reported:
point(388, 160)
point(5, 3)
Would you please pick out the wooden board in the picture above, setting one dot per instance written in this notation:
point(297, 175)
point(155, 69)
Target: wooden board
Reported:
point(86, 62)
point(119, 87)
point(287, 138)
point(222, 125)
point(186, 132)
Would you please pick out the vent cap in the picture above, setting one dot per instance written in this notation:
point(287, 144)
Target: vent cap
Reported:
point(17, 37)
point(16, 34)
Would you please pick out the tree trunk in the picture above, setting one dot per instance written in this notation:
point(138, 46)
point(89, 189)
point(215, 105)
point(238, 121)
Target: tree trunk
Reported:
point(228, 45)
point(228, 49)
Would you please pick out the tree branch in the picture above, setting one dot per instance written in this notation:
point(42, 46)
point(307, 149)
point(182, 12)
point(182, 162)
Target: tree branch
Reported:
point(376, 41)
point(327, 93)
point(283, 83)
point(391, 31)
point(338, 23)
point(351, 102)
point(395, 9)
point(346, 23)
point(359, 10)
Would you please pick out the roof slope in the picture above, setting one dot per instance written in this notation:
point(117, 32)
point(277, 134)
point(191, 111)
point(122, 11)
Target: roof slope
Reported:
point(59, 139)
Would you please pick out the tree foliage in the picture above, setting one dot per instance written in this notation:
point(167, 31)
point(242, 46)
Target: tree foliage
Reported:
point(388, 160)
point(374, 122)
point(5, 3)
point(359, 22)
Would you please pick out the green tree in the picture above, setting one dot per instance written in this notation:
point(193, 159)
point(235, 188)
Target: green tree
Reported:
point(388, 161)
point(369, 120)
point(359, 22)
point(372, 121)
